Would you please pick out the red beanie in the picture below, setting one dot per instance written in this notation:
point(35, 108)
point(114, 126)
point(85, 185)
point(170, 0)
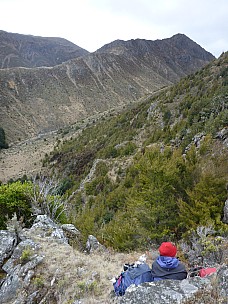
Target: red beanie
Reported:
point(168, 249)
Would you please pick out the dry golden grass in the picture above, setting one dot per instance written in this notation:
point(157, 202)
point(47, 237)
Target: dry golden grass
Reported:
point(67, 274)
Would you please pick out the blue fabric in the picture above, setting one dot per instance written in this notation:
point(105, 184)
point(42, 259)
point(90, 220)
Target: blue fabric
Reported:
point(135, 272)
point(157, 279)
point(167, 262)
point(134, 275)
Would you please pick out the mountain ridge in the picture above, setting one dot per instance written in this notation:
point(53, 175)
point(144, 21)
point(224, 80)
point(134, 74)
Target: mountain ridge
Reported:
point(18, 50)
point(43, 99)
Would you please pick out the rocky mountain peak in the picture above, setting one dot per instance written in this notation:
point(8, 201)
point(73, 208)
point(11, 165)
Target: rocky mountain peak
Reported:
point(17, 50)
point(177, 43)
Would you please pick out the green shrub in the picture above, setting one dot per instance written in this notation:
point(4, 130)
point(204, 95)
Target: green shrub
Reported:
point(3, 144)
point(15, 198)
point(26, 255)
point(127, 149)
point(97, 185)
point(38, 281)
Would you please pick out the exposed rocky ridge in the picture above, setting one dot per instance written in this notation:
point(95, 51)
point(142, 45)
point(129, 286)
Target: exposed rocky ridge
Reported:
point(28, 51)
point(191, 290)
point(40, 100)
point(40, 266)
point(179, 52)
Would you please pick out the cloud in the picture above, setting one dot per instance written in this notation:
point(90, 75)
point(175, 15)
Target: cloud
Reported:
point(203, 21)
point(93, 23)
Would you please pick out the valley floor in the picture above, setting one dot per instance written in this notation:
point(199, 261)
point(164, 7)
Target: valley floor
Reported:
point(25, 158)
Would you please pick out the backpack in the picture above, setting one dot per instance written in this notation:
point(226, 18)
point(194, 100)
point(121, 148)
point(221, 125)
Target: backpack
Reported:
point(134, 274)
point(206, 271)
point(201, 272)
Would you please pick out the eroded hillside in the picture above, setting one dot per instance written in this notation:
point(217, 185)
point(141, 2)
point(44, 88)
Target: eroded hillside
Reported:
point(40, 100)
point(29, 51)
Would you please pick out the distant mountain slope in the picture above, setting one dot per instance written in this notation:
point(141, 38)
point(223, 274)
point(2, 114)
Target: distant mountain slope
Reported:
point(39, 100)
point(178, 53)
point(18, 50)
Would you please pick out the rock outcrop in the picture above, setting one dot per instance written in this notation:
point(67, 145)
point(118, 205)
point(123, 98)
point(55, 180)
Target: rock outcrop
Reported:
point(21, 282)
point(73, 235)
point(194, 290)
point(225, 218)
point(92, 245)
point(19, 260)
point(8, 241)
point(20, 270)
point(31, 272)
point(45, 227)
point(223, 135)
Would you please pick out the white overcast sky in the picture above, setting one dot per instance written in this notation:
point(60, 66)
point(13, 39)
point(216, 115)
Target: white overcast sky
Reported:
point(92, 23)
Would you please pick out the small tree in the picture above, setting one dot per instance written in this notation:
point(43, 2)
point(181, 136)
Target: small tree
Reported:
point(3, 144)
point(205, 205)
point(15, 198)
point(45, 199)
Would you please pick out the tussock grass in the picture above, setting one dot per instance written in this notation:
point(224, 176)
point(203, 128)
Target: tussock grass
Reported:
point(67, 274)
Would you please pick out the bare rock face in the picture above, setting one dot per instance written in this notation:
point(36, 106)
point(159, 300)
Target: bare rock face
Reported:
point(19, 261)
point(205, 248)
point(93, 245)
point(8, 241)
point(225, 218)
point(223, 283)
point(74, 236)
point(223, 136)
point(20, 270)
point(70, 229)
point(163, 292)
point(45, 227)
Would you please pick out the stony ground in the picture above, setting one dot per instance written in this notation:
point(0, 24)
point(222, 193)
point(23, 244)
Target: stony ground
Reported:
point(25, 158)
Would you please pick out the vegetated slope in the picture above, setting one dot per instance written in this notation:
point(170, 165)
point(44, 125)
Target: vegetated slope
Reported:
point(155, 171)
point(40, 100)
point(28, 51)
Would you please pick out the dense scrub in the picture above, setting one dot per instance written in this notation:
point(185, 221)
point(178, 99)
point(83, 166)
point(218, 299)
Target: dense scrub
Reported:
point(161, 169)
point(162, 196)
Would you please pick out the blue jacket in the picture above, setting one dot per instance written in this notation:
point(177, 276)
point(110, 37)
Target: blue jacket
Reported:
point(168, 268)
point(134, 275)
